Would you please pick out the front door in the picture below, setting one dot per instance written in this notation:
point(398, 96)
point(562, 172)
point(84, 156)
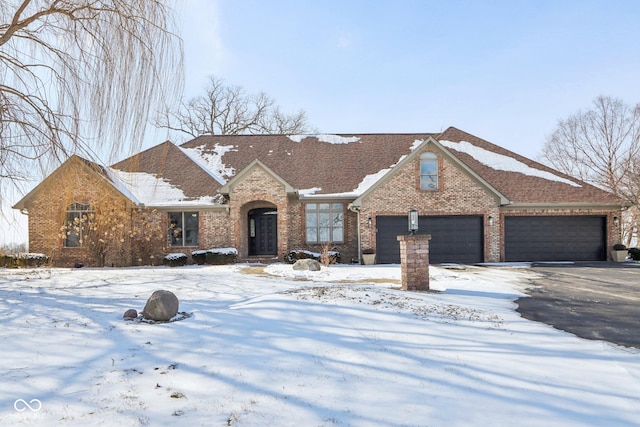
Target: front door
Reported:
point(263, 231)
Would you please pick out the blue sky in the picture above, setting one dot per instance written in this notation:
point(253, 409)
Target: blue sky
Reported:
point(505, 71)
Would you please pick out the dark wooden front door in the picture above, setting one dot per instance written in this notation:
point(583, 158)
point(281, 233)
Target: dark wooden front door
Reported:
point(263, 231)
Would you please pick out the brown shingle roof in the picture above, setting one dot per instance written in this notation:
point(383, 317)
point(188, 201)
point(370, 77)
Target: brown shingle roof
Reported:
point(524, 188)
point(171, 164)
point(338, 164)
point(333, 167)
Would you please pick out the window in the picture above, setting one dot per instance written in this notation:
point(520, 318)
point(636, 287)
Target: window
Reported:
point(428, 171)
point(183, 228)
point(76, 221)
point(325, 222)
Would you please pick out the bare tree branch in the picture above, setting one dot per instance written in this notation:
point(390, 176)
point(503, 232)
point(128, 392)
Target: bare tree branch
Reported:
point(601, 146)
point(82, 76)
point(229, 110)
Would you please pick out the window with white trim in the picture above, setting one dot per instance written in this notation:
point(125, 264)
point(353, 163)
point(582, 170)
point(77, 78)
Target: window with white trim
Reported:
point(183, 228)
point(325, 222)
point(428, 171)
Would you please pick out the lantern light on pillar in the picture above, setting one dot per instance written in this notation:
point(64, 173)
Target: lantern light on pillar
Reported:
point(413, 221)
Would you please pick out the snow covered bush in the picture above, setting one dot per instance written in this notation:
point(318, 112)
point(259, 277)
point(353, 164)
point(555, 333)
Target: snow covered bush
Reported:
point(175, 260)
point(23, 260)
point(216, 256)
point(635, 253)
point(296, 254)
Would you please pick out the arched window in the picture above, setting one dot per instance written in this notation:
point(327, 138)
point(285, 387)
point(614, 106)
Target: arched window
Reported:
point(75, 225)
point(428, 171)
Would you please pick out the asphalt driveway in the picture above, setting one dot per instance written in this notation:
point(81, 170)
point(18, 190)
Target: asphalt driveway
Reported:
point(598, 301)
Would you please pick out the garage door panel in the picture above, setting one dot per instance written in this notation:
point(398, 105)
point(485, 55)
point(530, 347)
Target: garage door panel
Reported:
point(457, 239)
point(555, 238)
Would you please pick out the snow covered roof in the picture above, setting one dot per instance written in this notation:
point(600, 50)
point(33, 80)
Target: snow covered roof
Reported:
point(212, 161)
point(148, 189)
point(330, 139)
point(521, 180)
point(504, 163)
point(327, 166)
point(320, 166)
point(167, 176)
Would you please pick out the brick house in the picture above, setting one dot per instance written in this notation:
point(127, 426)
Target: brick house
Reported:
point(268, 194)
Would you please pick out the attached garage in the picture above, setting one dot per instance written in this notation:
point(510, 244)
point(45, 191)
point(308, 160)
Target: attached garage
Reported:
point(555, 238)
point(456, 239)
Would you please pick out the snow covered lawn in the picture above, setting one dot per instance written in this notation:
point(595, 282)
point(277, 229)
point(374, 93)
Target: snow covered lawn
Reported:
point(343, 346)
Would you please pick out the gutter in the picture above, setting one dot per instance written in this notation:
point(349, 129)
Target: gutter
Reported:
point(356, 209)
point(596, 206)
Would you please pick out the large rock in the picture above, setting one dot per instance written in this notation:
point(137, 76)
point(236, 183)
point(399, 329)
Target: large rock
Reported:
point(130, 314)
point(161, 306)
point(307, 264)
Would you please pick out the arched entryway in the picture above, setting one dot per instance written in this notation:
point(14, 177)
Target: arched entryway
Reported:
point(263, 231)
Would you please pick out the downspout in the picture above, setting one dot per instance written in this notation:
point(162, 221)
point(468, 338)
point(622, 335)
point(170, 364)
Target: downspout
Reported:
point(356, 209)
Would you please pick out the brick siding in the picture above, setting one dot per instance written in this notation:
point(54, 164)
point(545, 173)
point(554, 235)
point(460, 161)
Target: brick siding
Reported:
point(414, 262)
point(257, 189)
point(47, 212)
point(214, 229)
point(457, 194)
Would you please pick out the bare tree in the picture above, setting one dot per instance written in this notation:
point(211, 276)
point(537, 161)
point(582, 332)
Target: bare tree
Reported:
point(601, 146)
point(81, 76)
point(229, 110)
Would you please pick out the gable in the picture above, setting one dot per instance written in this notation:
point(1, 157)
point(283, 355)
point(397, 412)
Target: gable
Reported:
point(408, 162)
point(74, 166)
point(250, 172)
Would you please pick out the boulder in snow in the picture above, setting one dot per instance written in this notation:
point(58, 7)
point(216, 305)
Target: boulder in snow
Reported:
point(130, 314)
point(161, 306)
point(307, 264)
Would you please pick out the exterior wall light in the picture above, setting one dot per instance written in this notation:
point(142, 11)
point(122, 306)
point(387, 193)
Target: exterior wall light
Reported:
point(369, 222)
point(413, 221)
point(616, 221)
point(490, 221)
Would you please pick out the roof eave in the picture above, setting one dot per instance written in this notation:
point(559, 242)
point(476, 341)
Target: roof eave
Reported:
point(187, 207)
point(318, 197)
point(570, 205)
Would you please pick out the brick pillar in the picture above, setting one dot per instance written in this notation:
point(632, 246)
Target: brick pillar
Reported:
point(414, 260)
